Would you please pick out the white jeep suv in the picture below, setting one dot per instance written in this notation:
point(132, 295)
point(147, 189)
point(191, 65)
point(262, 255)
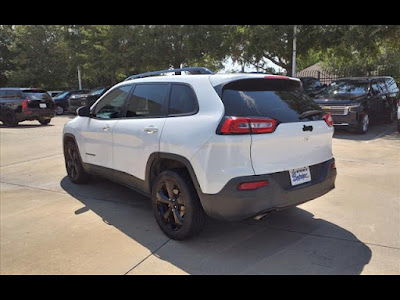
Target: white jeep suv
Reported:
point(230, 146)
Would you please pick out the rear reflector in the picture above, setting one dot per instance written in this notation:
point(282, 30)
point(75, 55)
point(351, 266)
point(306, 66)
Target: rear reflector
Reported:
point(243, 125)
point(245, 186)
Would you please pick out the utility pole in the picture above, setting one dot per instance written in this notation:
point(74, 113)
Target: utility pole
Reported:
point(294, 51)
point(79, 77)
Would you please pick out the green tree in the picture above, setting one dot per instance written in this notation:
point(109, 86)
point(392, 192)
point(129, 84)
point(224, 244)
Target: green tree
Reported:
point(38, 57)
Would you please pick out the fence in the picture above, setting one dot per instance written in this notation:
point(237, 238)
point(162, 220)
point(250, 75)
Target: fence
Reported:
point(327, 76)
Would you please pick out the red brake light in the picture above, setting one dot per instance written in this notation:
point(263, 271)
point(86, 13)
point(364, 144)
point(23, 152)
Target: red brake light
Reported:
point(328, 119)
point(243, 125)
point(252, 185)
point(25, 104)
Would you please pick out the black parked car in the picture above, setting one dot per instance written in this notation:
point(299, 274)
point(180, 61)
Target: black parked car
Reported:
point(88, 100)
point(355, 102)
point(312, 86)
point(22, 104)
point(61, 100)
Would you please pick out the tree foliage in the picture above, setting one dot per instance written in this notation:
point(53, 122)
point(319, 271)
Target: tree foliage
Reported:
point(49, 55)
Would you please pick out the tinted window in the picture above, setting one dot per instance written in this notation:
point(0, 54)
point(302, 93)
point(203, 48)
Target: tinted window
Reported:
point(3, 94)
point(13, 94)
point(346, 87)
point(110, 106)
point(182, 100)
point(383, 86)
point(148, 100)
point(62, 95)
point(392, 86)
point(282, 100)
point(309, 83)
point(36, 95)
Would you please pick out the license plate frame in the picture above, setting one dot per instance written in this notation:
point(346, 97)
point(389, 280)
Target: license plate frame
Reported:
point(300, 175)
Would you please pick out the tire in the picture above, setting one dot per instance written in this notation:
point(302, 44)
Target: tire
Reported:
point(44, 121)
point(176, 205)
point(363, 125)
point(9, 118)
point(398, 126)
point(73, 164)
point(59, 110)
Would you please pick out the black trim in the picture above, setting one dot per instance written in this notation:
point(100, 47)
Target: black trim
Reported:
point(231, 204)
point(165, 155)
point(119, 177)
point(192, 70)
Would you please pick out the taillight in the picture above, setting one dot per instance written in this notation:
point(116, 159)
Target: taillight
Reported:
point(25, 104)
point(328, 119)
point(243, 125)
point(245, 186)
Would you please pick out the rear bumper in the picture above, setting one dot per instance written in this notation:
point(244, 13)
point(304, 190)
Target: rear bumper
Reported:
point(35, 114)
point(232, 205)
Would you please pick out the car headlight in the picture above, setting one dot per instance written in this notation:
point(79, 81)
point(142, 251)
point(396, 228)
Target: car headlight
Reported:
point(353, 108)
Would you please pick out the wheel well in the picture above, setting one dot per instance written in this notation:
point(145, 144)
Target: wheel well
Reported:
point(163, 164)
point(67, 139)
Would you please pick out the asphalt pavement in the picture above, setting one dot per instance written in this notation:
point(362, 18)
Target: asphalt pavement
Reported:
point(51, 226)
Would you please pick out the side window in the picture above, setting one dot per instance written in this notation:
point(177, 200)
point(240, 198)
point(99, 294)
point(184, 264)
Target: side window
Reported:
point(383, 86)
point(392, 86)
point(13, 94)
point(111, 105)
point(147, 100)
point(376, 88)
point(182, 101)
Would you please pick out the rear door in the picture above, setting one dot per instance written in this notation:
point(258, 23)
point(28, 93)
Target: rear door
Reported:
point(296, 142)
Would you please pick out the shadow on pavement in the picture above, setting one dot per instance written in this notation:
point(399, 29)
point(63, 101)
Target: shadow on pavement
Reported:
point(287, 242)
point(377, 130)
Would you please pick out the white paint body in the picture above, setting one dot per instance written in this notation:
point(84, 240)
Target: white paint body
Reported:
point(128, 143)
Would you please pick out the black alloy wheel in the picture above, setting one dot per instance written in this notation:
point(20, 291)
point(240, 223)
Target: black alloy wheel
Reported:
point(176, 205)
point(170, 205)
point(73, 164)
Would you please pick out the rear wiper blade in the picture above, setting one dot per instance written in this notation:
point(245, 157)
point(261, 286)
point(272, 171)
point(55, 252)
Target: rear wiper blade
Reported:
point(310, 113)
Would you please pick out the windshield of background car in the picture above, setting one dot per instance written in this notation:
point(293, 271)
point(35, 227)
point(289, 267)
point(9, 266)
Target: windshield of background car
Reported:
point(345, 88)
point(36, 94)
point(62, 95)
point(310, 83)
point(282, 100)
point(97, 92)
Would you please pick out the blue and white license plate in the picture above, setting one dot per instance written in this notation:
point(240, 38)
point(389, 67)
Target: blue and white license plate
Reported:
point(299, 176)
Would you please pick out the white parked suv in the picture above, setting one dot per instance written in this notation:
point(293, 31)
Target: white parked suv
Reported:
point(230, 146)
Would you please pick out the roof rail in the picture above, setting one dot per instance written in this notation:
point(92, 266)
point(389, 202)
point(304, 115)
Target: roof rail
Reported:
point(191, 70)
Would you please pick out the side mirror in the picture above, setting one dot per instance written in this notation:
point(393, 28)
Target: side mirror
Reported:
point(83, 111)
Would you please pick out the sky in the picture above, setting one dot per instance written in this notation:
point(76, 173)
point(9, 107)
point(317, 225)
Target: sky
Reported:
point(235, 67)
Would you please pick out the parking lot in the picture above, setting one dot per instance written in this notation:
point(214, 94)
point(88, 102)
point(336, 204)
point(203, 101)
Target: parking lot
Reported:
point(51, 226)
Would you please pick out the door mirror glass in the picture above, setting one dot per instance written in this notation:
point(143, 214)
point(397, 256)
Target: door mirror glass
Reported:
point(83, 111)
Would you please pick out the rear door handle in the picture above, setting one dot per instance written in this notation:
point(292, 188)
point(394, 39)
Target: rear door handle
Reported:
point(106, 128)
point(151, 129)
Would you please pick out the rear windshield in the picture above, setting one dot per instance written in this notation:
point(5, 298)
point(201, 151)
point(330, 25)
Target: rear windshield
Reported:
point(282, 100)
point(36, 94)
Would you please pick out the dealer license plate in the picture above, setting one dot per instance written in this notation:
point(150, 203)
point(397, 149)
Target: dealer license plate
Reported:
point(299, 176)
point(42, 105)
